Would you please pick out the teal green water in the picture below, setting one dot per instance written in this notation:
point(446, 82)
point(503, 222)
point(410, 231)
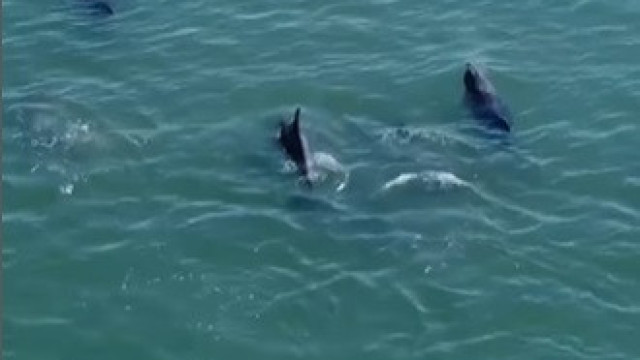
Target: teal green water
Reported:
point(147, 213)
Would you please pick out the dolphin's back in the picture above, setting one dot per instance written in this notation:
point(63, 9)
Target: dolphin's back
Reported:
point(484, 103)
point(97, 8)
point(490, 110)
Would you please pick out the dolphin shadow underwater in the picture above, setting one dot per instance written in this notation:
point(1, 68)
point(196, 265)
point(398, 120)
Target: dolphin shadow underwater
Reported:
point(483, 102)
point(94, 8)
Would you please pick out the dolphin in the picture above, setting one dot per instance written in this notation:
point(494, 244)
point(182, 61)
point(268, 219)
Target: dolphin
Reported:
point(483, 102)
point(98, 8)
point(295, 146)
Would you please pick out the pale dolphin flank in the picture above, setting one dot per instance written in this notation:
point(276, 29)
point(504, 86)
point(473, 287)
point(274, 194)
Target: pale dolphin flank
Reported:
point(483, 102)
point(295, 146)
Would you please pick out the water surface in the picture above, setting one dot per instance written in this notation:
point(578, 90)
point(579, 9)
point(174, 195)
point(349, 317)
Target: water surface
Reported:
point(149, 215)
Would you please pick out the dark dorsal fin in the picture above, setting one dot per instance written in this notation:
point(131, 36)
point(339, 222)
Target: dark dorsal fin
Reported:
point(472, 81)
point(296, 121)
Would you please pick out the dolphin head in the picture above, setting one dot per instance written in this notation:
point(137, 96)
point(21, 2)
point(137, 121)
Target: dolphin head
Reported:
point(472, 79)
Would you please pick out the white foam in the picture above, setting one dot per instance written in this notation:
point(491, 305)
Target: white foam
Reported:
point(66, 189)
point(326, 165)
point(406, 134)
point(322, 167)
point(327, 162)
point(400, 180)
point(441, 179)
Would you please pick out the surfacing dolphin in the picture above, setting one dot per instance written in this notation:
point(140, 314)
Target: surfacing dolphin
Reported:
point(483, 102)
point(295, 146)
point(97, 8)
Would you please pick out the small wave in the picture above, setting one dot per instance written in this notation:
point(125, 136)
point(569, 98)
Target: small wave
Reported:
point(57, 136)
point(439, 179)
point(405, 135)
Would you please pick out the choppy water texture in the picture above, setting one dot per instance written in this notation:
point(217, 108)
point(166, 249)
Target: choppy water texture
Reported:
point(148, 213)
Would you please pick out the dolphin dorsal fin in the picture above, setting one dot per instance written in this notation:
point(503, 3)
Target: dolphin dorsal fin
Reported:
point(296, 121)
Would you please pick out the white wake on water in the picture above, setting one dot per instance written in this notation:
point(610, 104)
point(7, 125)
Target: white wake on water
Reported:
point(324, 167)
point(440, 179)
point(57, 137)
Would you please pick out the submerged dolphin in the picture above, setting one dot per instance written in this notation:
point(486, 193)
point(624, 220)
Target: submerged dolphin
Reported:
point(483, 102)
point(295, 146)
point(97, 8)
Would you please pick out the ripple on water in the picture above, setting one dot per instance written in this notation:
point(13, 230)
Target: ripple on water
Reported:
point(183, 236)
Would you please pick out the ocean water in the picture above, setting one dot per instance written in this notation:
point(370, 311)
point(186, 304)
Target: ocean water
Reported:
point(148, 214)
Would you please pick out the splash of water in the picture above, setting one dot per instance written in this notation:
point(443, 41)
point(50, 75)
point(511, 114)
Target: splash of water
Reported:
point(324, 167)
point(440, 179)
